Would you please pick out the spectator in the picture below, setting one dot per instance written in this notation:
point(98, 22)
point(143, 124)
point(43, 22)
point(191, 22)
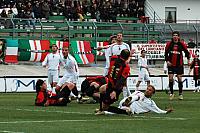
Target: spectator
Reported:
point(3, 15)
point(80, 13)
point(65, 38)
point(45, 10)
point(9, 21)
point(132, 10)
point(29, 15)
point(2, 50)
point(191, 44)
point(95, 14)
point(37, 10)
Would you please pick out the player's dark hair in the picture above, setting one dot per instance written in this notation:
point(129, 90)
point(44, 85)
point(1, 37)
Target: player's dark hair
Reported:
point(54, 45)
point(143, 51)
point(38, 85)
point(176, 32)
point(125, 54)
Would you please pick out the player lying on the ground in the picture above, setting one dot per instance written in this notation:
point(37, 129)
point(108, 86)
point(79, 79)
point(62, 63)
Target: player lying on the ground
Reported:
point(47, 98)
point(90, 87)
point(138, 102)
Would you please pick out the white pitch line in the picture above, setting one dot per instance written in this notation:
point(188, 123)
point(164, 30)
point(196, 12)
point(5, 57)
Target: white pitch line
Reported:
point(53, 121)
point(138, 118)
point(4, 131)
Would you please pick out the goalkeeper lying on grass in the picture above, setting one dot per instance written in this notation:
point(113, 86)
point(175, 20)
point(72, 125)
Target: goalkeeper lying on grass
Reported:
point(137, 103)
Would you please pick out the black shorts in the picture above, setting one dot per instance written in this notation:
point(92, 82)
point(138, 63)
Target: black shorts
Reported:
point(175, 70)
point(85, 85)
point(106, 96)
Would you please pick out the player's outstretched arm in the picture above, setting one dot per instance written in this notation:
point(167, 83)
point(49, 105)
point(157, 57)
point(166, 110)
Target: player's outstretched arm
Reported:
point(169, 110)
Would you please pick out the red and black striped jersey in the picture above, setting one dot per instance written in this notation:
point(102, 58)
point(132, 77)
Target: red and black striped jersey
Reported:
point(174, 53)
point(118, 72)
point(196, 65)
point(101, 80)
point(43, 96)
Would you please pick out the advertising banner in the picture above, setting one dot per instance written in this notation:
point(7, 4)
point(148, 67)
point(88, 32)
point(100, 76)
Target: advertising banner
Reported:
point(155, 81)
point(188, 83)
point(27, 84)
point(2, 85)
point(154, 51)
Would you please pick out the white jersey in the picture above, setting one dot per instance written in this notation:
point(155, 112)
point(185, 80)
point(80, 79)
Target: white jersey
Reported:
point(52, 61)
point(71, 70)
point(115, 49)
point(143, 73)
point(141, 104)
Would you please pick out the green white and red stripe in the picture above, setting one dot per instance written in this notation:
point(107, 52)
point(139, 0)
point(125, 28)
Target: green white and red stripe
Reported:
point(11, 51)
point(32, 50)
point(82, 52)
point(60, 44)
point(101, 44)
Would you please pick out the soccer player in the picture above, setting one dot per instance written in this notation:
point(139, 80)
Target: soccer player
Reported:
point(195, 65)
point(143, 70)
point(71, 74)
point(118, 72)
point(47, 98)
point(115, 49)
point(174, 58)
point(112, 40)
point(52, 61)
point(91, 85)
point(139, 103)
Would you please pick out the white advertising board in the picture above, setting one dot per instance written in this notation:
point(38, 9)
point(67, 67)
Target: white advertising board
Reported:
point(2, 85)
point(27, 84)
point(188, 83)
point(155, 81)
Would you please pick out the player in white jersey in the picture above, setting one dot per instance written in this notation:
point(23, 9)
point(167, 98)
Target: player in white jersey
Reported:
point(143, 70)
point(52, 61)
point(71, 74)
point(112, 40)
point(138, 103)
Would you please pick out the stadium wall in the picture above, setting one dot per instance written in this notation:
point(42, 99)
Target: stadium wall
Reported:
point(186, 9)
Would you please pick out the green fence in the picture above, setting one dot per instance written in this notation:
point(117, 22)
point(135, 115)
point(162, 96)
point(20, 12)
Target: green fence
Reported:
point(76, 30)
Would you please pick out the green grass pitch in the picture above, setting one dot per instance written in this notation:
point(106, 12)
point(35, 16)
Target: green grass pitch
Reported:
point(19, 115)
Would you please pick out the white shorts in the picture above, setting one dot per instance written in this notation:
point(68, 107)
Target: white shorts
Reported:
point(143, 75)
point(53, 76)
point(68, 79)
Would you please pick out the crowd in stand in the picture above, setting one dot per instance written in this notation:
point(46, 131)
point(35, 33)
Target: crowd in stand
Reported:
point(104, 10)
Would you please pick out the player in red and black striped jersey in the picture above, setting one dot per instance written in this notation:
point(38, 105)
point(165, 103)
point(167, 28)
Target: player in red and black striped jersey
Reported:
point(174, 58)
point(195, 65)
point(118, 72)
point(47, 98)
point(90, 87)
